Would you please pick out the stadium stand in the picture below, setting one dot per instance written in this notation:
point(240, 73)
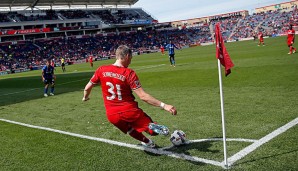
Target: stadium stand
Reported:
point(28, 38)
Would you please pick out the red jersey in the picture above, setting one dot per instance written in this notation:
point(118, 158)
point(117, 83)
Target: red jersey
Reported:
point(291, 35)
point(52, 63)
point(90, 59)
point(117, 84)
point(260, 35)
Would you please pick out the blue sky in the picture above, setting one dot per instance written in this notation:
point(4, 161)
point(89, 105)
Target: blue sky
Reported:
point(172, 10)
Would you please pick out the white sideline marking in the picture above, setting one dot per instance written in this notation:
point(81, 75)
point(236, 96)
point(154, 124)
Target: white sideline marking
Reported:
point(152, 66)
point(260, 142)
point(152, 150)
point(148, 67)
point(20, 91)
point(41, 87)
point(231, 160)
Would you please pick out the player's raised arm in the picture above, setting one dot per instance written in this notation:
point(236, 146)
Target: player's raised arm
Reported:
point(153, 101)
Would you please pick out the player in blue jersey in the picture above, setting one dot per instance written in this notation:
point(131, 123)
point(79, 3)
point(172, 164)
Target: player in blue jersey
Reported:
point(48, 78)
point(171, 49)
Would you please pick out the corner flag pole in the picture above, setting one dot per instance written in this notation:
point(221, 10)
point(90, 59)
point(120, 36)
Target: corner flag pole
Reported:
point(222, 115)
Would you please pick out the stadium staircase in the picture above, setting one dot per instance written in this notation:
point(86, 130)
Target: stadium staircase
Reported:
point(94, 16)
point(233, 31)
point(60, 16)
point(36, 46)
point(11, 19)
point(211, 29)
point(190, 37)
point(258, 26)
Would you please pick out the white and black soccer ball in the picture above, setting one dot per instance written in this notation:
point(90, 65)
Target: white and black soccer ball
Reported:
point(178, 137)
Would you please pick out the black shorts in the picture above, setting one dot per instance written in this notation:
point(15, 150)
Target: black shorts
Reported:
point(172, 55)
point(63, 64)
point(49, 81)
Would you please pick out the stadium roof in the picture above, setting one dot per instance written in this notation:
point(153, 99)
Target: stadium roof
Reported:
point(33, 3)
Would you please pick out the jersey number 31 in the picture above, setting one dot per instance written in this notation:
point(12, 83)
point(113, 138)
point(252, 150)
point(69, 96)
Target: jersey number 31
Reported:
point(112, 91)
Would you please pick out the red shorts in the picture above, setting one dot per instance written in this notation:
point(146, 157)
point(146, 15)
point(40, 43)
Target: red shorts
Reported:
point(290, 43)
point(261, 40)
point(136, 119)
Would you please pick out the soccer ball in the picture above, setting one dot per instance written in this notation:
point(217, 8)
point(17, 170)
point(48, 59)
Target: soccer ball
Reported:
point(178, 137)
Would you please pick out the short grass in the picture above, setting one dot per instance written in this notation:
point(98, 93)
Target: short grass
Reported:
point(260, 96)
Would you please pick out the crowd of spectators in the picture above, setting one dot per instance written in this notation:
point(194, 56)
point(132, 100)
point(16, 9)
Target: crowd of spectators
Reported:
point(34, 52)
point(75, 14)
point(105, 15)
point(227, 25)
point(3, 18)
point(19, 17)
point(270, 23)
point(31, 52)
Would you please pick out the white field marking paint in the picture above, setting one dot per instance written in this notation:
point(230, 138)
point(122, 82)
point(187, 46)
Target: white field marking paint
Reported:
point(228, 139)
point(153, 66)
point(148, 67)
point(138, 147)
point(40, 88)
point(260, 142)
point(215, 139)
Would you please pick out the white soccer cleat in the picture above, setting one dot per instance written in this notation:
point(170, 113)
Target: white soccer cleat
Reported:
point(289, 53)
point(159, 129)
point(85, 99)
point(45, 95)
point(52, 94)
point(150, 144)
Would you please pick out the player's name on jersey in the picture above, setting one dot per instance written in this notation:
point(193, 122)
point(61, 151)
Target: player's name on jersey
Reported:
point(114, 75)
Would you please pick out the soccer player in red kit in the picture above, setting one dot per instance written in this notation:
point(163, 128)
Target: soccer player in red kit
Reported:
point(117, 83)
point(53, 63)
point(291, 39)
point(91, 60)
point(162, 49)
point(261, 39)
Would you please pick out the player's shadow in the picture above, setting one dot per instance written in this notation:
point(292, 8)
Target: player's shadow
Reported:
point(266, 157)
point(195, 146)
point(185, 150)
point(17, 90)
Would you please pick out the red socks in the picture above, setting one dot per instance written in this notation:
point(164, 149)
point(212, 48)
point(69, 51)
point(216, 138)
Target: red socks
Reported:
point(139, 136)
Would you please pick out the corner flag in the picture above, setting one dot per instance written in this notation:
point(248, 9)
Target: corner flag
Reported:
point(221, 51)
point(224, 59)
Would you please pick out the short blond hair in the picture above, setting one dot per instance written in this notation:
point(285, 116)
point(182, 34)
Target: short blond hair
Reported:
point(122, 51)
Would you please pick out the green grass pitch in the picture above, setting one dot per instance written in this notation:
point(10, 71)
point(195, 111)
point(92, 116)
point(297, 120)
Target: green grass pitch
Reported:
point(260, 96)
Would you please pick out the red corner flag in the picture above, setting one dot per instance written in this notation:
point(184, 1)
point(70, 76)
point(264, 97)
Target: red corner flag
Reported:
point(221, 51)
